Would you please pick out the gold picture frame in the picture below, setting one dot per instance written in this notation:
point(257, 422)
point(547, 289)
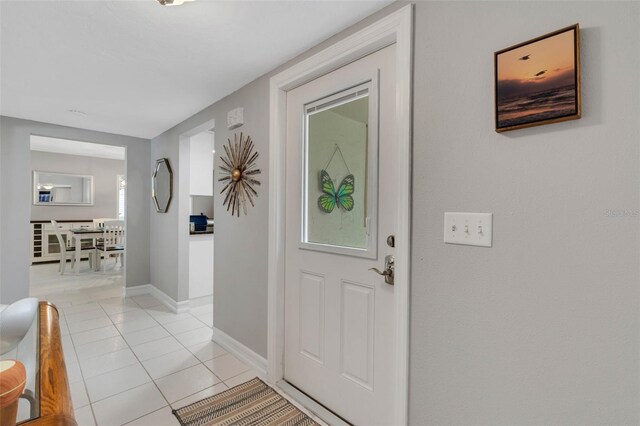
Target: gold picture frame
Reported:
point(538, 81)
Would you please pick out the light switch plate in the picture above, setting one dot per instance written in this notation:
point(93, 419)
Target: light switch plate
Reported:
point(470, 229)
point(235, 118)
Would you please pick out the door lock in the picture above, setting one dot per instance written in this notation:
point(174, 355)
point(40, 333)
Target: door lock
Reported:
point(388, 269)
point(391, 240)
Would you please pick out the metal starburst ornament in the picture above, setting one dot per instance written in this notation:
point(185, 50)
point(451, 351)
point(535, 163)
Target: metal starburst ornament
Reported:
point(239, 171)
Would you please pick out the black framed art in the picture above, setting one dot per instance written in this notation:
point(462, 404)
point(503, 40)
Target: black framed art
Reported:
point(538, 81)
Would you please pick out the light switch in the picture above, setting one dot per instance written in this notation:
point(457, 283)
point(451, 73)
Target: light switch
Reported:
point(471, 229)
point(235, 118)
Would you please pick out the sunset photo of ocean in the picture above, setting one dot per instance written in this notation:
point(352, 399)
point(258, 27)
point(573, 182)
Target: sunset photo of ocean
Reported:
point(536, 82)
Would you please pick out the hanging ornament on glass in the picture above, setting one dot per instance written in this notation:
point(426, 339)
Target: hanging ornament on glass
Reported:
point(332, 197)
point(239, 170)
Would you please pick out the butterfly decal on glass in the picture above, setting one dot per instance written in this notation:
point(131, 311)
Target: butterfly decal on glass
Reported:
point(332, 197)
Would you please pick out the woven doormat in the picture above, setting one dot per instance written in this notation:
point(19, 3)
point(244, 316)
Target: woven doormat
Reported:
point(250, 404)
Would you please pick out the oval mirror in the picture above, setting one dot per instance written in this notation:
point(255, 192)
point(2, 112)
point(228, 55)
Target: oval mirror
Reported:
point(162, 185)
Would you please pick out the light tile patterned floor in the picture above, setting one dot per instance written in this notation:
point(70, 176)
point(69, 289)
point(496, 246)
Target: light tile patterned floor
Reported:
point(131, 360)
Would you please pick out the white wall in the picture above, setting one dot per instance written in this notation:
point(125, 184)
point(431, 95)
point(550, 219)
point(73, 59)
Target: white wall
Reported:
point(543, 328)
point(104, 172)
point(202, 204)
point(15, 172)
point(201, 164)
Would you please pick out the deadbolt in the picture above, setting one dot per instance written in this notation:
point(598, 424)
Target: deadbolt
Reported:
point(391, 240)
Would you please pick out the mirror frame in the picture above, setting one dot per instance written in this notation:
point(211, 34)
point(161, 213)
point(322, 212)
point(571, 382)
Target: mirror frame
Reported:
point(159, 162)
point(36, 201)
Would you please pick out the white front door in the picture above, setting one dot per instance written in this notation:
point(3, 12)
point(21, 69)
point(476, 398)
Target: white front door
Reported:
point(340, 209)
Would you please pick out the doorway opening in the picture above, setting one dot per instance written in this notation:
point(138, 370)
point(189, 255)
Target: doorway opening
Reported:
point(78, 220)
point(201, 218)
point(196, 228)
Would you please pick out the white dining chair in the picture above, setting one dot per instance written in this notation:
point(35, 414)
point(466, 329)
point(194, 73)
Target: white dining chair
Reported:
point(111, 242)
point(68, 251)
point(99, 222)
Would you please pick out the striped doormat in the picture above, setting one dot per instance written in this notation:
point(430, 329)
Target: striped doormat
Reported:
point(252, 403)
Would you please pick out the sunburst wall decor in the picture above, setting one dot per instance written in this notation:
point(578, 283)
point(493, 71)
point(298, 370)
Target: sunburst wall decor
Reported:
point(239, 169)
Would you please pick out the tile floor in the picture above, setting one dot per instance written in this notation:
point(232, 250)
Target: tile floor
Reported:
point(46, 282)
point(131, 360)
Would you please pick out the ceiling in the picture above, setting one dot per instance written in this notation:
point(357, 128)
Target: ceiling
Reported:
point(86, 149)
point(137, 68)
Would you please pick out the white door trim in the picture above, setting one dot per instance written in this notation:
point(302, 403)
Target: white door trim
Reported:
point(394, 28)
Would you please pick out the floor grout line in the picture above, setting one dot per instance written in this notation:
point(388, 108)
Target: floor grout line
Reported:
point(84, 383)
point(99, 296)
point(147, 371)
point(134, 354)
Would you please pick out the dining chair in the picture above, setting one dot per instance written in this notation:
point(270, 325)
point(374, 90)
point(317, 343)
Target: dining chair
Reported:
point(69, 251)
point(112, 242)
point(99, 223)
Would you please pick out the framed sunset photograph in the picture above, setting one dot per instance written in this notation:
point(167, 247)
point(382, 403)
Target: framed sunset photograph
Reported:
point(538, 81)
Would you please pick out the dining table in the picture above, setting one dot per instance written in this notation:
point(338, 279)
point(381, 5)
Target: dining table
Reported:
point(79, 234)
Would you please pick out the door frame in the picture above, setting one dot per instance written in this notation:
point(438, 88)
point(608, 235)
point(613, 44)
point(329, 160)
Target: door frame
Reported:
point(395, 28)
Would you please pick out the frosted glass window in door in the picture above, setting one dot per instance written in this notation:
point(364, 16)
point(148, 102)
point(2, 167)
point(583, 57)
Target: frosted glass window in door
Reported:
point(336, 161)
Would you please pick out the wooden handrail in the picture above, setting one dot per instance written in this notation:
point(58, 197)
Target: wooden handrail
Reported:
point(55, 396)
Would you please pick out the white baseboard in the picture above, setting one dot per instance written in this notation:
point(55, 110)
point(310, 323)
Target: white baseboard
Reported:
point(199, 301)
point(240, 351)
point(137, 290)
point(177, 307)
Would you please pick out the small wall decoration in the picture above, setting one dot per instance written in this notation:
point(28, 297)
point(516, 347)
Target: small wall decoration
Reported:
point(162, 185)
point(239, 171)
point(330, 197)
point(538, 81)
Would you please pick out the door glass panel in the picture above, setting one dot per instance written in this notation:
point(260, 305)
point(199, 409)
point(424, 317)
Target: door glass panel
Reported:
point(336, 161)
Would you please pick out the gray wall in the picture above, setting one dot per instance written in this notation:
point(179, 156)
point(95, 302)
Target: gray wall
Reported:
point(543, 327)
point(240, 264)
point(241, 259)
point(104, 172)
point(164, 226)
point(15, 172)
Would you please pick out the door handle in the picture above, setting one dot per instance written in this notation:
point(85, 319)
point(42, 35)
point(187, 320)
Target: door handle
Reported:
point(388, 270)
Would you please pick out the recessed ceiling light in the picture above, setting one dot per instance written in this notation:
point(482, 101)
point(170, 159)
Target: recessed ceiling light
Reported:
point(77, 112)
point(172, 2)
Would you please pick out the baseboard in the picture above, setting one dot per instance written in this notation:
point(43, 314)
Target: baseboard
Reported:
point(240, 351)
point(138, 290)
point(199, 301)
point(177, 307)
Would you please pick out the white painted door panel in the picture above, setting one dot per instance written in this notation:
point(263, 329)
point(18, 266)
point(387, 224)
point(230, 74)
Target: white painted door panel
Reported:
point(339, 315)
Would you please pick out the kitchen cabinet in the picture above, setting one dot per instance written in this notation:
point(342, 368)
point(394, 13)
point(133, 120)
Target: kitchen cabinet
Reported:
point(200, 265)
